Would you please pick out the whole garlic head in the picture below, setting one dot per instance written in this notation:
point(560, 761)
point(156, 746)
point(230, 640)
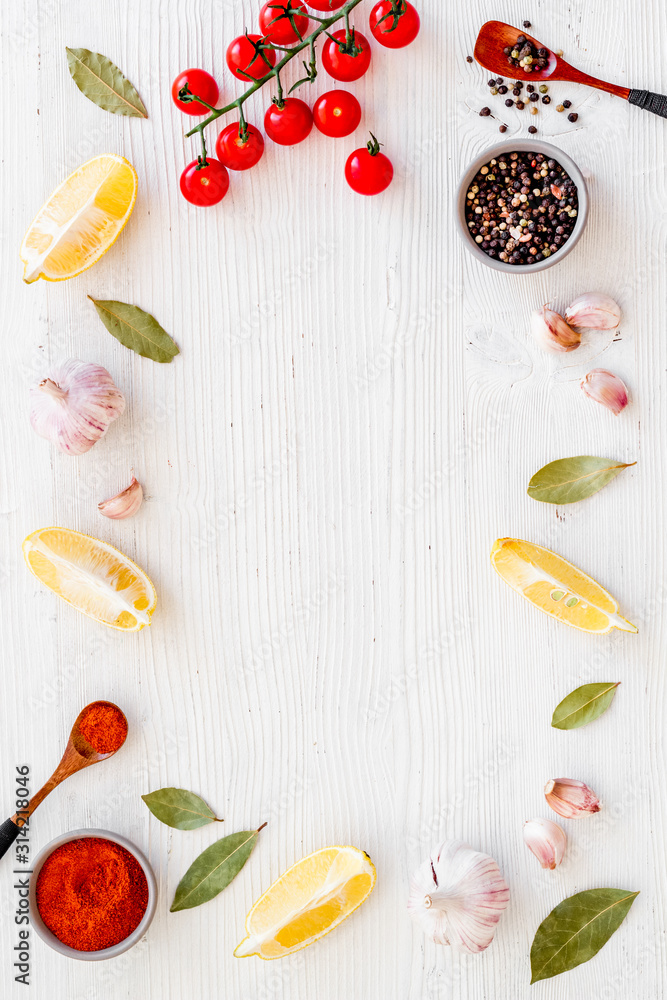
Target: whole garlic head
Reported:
point(73, 406)
point(457, 896)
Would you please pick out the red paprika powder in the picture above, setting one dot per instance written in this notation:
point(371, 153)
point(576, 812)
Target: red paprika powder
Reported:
point(91, 893)
point(103, 726)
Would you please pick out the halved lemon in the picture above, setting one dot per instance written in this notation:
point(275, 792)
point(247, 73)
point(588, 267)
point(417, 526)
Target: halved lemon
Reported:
point(307, 902)
point(81, 220)
point(556, 586)
point(92, 576)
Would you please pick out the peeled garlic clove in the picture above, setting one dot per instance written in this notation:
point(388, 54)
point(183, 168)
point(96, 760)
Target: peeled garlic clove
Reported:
point(546, 840)
point(570, 798)
point(552, 332)
point(124, 504)
point(594, 311)
point(606, 388)
point(74, 405)
point(457, 896)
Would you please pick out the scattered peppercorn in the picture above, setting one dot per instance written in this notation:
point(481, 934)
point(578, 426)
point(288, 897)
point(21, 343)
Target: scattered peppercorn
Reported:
point(517, 91)
point(503, 128)
point(533, 97)
point(534, 110)
point(485, 112)
point(526, 24)
point(573, 117)
point(493, 91)
point(546, 99)
point(543, 88)
point(530, 88)
point(520, 105)
point(567, 104)
point(492, 82)
point(509, 102)
point(532, 129)
point(502, 90)
point(560, 107)
point(499, 79)
point(468, 58)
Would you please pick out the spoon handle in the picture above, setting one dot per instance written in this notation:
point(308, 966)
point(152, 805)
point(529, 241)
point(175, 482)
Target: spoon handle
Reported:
point(657, 103)
point(9, 831)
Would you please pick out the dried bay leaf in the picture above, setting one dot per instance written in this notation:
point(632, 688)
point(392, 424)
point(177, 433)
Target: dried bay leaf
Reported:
point(136, 329)
point(583, 705)
point(568, 480)
point(576, 929)
point(214, 869)
point(102, 82)
point(180, 809)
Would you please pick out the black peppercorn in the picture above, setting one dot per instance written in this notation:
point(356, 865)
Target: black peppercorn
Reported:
point(546, 99)
point(520, 105)
point(492, 82)
point(468, 58)
point(573, 117)
point(503, 128)
point(533, 97)
point(567, 104)
point(530, 88)
point(485, 112)
point(517, 91)
point(532, 129)
point(499, 80)
point(509, 102)
point(526, 24)
point(502, 90)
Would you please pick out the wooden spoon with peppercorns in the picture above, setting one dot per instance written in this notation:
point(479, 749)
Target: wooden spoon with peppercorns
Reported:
point(497, 42)
point(99, 731)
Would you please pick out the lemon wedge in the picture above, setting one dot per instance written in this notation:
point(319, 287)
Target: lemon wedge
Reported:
point(92, 576)
point(81, 220)
point(557, 587)
point(307, 902)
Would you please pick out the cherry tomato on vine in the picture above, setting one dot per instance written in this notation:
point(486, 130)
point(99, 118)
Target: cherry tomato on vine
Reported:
point(206, 186)
point(290, 123)
point(326, 5)
point(342, 65)
point(234, 152)
point(276, 26)
point(245, 61)
point(368, 171)
point(394, 32)
point(337, 113)
point(200, 83)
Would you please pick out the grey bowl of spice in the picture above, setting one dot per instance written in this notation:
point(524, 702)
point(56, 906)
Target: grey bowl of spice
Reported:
point(92, 895)
point(522, 213)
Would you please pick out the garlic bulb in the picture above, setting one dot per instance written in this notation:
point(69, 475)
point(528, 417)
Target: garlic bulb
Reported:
point(606, 388)
point(594, 311)
point(457, 896)
point(552, 332)
point(74, 405)
point(546, 840)
point(124, 504)
point(570, 798)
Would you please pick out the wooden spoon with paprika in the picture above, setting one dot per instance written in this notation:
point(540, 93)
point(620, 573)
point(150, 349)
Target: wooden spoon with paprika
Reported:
point(98, 732)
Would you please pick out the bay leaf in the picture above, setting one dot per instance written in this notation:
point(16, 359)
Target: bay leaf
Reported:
point(583, 705)
point(136, 329)
point(214, 869)
point(576, 929)
point(102, 82)
point(568, 480)
point(180, 809)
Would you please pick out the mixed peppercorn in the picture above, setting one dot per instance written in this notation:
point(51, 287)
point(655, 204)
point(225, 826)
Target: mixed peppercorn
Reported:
point(525, 55)
point(521, 208)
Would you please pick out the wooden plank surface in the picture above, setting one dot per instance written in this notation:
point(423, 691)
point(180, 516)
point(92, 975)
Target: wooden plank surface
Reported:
point(353, 420)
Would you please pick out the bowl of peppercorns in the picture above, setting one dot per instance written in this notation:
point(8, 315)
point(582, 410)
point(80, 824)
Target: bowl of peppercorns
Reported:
point(522, 206)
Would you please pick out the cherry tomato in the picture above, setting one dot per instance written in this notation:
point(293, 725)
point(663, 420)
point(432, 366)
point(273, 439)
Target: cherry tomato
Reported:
point(244, 61)
point(343, 65)
point(234, 152)
point(337, 113)
point(206, 186)
point(200, 83)
point(290, 124)
point(276, 26)
point(326, 5)
point(382, 24)
point(368, 171)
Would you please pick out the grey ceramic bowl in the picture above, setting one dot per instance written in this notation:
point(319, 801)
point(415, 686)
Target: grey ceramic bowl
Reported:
point(122, 946)
point(520, 146)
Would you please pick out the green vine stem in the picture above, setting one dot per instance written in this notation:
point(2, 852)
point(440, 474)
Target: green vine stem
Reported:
point(308, 42)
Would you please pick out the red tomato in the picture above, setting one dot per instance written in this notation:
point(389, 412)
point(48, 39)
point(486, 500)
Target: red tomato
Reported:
point(245, 61)
point(337, 113)
point(342, 65)
point(290, 124)
point(382, 21)
point(236, 153)
point(368, 171)
point(276, 26)
point(206, 186)
point(326, 5)
point(200, 83)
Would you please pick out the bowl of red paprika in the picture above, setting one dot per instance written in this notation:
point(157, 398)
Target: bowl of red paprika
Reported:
point(92, 895)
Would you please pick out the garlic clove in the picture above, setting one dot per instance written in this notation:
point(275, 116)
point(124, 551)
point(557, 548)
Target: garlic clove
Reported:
point(571, 799)
point(457, 896)
point(552, 332)
point(74, 405)
point(546, 840)
point(594, 311)
point(606, 388)
point(124, 504)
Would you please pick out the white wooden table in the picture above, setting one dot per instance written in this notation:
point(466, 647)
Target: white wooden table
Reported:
point(353, 420)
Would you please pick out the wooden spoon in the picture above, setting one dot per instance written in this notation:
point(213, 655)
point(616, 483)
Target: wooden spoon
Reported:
point(494, 36)
point(78, 754)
